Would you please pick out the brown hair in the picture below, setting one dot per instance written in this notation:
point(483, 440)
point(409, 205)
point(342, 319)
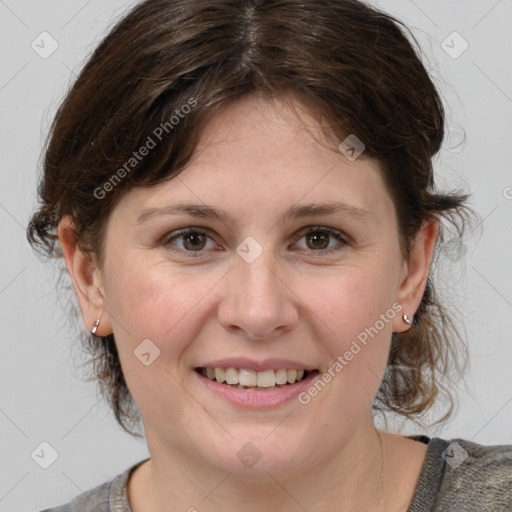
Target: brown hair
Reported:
point(353, 65)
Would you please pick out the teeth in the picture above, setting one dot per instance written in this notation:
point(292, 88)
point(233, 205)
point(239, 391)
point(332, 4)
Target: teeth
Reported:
point(247, 377)
point(291, 376)
point(281, 376)
point(266, 379)
point(243, 379)
point(220, 376)
point(231, 376)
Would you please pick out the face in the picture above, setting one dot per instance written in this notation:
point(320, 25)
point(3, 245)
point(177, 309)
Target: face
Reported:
point(268, 285)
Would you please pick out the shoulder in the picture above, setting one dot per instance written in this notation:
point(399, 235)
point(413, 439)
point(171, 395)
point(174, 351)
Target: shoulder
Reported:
point(479, 466)
point(476, 477)
point(94, 500)
point(106, 497)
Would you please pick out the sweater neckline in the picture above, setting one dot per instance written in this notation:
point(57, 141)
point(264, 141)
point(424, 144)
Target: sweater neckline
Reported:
point(431, 475)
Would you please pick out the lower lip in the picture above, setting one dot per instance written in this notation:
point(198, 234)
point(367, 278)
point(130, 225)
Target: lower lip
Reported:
point(257, 399)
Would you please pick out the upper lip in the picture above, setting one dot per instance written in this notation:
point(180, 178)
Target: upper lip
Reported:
point(257, 366)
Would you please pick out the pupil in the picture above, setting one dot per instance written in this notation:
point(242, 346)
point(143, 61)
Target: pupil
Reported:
point(322, 238)
point(194, 237)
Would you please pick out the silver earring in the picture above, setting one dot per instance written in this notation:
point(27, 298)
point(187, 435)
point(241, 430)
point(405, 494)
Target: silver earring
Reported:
point(95, 328)
point(407, 320)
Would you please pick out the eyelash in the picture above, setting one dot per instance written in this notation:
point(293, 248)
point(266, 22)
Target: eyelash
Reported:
point(310, 229)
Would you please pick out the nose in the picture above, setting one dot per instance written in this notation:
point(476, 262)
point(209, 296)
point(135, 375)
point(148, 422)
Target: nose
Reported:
point(257, 301)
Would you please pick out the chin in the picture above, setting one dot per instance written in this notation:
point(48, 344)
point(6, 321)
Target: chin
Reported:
point(257, 459)
point(266, 470)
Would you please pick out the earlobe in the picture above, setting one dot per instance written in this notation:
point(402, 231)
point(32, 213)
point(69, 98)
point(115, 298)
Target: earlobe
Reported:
point(416, 272)
point(86, 279)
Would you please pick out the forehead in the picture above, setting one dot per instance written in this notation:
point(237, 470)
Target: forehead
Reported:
point(272, 125)
point(257, 155)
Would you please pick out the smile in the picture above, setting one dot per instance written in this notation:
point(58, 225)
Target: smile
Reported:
point(256, 389)
point(249, 379)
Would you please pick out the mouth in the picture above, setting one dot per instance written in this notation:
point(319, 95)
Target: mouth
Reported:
point(250, 380)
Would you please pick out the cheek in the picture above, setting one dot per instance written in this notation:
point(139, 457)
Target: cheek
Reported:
point(355, 312)
point(351, 300)
point(163, 306)
point(158, 303)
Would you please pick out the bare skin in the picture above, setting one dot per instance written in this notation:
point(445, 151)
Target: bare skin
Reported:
point(403, 459)
point(295, 301)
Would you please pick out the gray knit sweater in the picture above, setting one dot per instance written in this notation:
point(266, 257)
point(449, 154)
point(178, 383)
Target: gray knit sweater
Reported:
point(457, 476)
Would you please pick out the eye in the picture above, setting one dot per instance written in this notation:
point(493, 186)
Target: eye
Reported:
point(319, 238)
point(194, 242)
point(190, 240)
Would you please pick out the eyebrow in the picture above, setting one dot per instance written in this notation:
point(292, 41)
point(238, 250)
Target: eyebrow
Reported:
point(295, 212)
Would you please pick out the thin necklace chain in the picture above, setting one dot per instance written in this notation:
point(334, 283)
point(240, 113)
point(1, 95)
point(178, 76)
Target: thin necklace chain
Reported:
point(381, 471)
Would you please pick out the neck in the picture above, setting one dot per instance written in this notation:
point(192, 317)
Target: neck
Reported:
point(348, 478)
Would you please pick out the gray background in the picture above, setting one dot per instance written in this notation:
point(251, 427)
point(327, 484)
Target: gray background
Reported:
point(41, 395)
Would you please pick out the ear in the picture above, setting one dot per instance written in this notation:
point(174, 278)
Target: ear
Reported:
point(415, 272)
point(86, 277)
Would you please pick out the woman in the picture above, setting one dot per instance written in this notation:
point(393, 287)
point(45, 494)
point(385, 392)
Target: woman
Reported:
point(243, 195)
